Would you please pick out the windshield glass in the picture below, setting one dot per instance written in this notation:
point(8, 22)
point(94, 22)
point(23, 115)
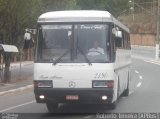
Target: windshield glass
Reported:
point(78, 43)
point(92, 41)
point(55, 42)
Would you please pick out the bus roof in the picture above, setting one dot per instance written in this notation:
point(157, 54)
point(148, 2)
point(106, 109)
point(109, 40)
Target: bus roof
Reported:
point(80, 16)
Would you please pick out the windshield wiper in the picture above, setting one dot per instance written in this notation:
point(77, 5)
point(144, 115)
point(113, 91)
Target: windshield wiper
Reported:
point(58, 59)
point(88, 61)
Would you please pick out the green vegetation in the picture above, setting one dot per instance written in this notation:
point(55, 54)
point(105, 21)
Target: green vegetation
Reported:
point(16, 15)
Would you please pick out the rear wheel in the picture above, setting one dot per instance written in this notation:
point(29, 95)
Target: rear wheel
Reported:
point(113, 104)
point(52, 107)
point(126, 91)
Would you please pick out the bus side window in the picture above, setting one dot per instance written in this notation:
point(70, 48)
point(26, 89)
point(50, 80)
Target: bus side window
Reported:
point(118, 42)
point(118, 38)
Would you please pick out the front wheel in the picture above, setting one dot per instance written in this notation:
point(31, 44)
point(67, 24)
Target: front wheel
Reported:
point(112, 105)
point(52, 107)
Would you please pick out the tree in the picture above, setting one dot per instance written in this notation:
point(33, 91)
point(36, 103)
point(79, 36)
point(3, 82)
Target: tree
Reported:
point(54, 5)
point(113, 6)
point(16, 15)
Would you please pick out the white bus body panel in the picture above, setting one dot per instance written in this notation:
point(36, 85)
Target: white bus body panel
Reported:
point(79, 16)
point(81, 74)
point(122, 67)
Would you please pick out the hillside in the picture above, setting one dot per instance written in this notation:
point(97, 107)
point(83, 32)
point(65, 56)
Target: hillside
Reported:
point(140, 22)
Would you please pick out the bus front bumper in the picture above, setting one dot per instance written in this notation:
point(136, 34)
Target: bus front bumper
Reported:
point(91, 96)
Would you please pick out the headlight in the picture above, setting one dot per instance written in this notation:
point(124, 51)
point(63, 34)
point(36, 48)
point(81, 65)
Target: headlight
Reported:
point(43, 84)
point(103, 84)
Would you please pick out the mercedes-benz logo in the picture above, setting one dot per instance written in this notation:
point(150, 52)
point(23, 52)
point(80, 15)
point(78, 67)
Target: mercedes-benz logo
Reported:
point(72, 84)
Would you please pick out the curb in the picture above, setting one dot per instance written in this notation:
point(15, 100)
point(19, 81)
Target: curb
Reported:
point(14, 65)
point(140, 46)
point(157, 62)
point(22, 63)
point(15, 90)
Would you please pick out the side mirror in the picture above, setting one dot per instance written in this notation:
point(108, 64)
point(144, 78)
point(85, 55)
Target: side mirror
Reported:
point(117, 32)
point(118, 37)
point(32, 31)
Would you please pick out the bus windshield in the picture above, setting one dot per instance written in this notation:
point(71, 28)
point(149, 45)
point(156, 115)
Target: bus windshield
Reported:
point(74, 43)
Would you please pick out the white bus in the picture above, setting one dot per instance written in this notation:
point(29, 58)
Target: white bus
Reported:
point(81, 56)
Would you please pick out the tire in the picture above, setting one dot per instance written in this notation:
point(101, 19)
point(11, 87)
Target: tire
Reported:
point(52, 107)
point(112, 105)
point(126, 91)
point(118, 93)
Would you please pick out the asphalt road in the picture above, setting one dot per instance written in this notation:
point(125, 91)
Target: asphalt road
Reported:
point(144, 97)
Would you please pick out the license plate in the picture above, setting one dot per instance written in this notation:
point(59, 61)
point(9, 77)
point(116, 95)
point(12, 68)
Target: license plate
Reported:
point(72, 97)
